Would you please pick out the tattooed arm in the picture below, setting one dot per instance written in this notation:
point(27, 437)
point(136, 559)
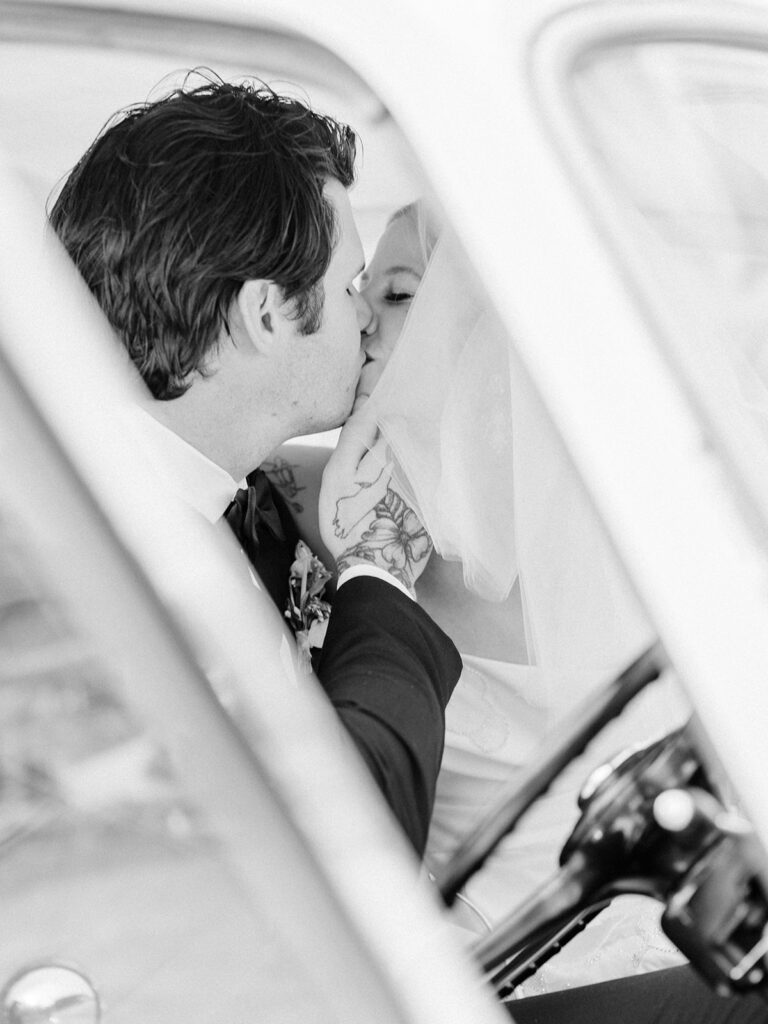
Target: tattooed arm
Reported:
point(296, 470)
point(364, 519)
point(391, 538)
point(386, 666)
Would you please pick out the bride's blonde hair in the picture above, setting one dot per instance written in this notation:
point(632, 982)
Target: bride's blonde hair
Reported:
point(426, 221)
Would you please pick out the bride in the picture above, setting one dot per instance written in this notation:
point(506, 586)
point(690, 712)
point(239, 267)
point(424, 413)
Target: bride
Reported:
point(522, 579)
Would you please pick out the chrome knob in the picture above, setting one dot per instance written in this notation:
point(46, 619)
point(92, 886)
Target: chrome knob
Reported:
point(49, 994)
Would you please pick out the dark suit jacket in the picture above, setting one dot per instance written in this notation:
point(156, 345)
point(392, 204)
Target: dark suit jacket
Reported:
point(389, 672)
point(387, 669)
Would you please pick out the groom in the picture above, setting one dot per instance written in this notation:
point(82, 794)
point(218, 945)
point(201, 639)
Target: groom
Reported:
point(215, 231)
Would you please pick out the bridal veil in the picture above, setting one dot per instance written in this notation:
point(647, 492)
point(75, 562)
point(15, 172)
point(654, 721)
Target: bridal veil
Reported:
point(489, 476)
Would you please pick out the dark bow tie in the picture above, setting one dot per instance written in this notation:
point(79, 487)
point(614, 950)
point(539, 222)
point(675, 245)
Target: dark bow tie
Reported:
point(252, 510)
point(261, 521)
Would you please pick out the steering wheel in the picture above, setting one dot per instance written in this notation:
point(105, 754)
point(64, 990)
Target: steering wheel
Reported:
point(653, 824)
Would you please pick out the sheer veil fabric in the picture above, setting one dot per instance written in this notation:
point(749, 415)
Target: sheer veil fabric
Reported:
point(443, 405)
point(489, 477)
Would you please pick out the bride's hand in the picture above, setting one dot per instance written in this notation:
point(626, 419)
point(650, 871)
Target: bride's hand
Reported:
point(364, 518)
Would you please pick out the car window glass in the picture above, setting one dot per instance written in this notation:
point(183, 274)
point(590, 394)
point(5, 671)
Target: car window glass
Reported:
point(57, 94)
point(106, 859)
point(679, 135)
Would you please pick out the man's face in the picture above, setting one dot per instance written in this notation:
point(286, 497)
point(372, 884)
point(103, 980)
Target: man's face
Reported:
point(327, 364)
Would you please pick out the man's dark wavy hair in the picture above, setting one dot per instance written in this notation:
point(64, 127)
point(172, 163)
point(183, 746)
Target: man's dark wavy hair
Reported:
point(180, 201)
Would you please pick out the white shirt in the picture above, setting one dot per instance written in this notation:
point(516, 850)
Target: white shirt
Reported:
point(206, 487)
point(192, 476)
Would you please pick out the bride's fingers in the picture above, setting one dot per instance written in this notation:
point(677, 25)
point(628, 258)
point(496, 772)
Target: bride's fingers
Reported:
point(355, 479)
point(358, 436)
point(359, 404)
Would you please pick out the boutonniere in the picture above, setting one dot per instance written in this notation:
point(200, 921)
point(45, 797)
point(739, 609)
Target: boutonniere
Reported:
point(305, 609)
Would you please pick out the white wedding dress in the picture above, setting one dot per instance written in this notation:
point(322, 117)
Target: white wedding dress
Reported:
point(497, 723)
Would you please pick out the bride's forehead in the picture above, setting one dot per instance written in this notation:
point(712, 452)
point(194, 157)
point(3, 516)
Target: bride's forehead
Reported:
point(399, 245)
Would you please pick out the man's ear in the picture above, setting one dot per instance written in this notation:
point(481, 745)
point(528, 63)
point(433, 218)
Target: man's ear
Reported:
point(260, 305)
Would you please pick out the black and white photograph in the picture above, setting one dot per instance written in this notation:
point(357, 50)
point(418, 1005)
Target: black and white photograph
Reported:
point(384, 511)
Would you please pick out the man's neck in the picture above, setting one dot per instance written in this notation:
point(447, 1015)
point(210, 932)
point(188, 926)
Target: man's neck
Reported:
point(216, 429)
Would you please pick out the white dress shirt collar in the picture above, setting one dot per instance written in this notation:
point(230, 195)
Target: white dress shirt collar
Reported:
point(192, 476)
point(207, 488)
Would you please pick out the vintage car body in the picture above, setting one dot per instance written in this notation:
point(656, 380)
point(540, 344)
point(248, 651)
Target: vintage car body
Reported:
point(247, 871)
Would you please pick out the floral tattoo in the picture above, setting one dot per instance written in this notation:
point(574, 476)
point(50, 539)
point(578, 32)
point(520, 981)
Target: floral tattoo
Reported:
point(395, 540)
point(282, 475)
